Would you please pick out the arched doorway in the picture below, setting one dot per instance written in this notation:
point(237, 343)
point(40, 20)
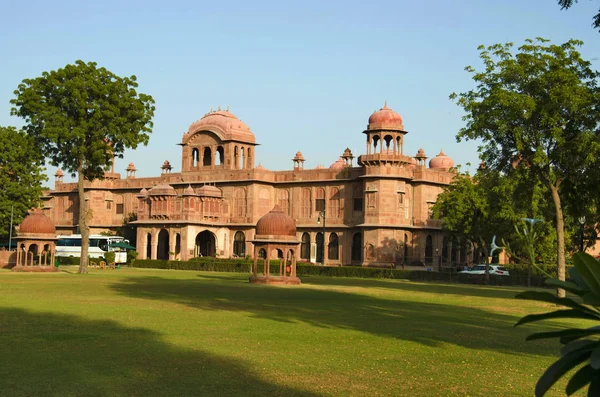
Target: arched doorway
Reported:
point(205, 244)
point(357, 247)
point(177, 246)
point(320, 248)
point(305, 247)
point(149, 246)
point(429, 250)
point(162, 251)
point(333, 247)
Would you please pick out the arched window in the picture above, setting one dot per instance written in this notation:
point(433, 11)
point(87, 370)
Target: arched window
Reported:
point(305, 247)
point(207, 157)
point(221, 155)
point(375, 143)
point(357, 247)
point(370, 251)
point(429, 249)
point(358, 199)
point(398, 145)
point(320, 199)
point(239, 202)
point(239, 244)
point(284, 201)
point(249, 157)
point(195, 155)
point(333, 247)
point(242, 158)
point(262, 253)
point(388, 143)
point(334, 203)
point(406, 247)
point(264, 202)
point(445, 250)
point(236, 158)
point(305, 204)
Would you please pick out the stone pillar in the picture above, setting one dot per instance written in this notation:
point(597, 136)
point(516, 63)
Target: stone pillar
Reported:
point(154, 246)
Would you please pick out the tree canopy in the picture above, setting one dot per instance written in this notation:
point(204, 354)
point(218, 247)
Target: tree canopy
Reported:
point(21, 176)
point(536, 110)
point(81, 116)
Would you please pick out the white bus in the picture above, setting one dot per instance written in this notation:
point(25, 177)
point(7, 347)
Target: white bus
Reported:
point(71, 246)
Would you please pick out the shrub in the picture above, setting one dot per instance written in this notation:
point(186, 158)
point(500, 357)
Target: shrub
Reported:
point(109, 257)
point(581, 346)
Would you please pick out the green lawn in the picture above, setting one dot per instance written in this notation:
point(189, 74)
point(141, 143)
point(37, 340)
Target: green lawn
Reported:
point(138, 332)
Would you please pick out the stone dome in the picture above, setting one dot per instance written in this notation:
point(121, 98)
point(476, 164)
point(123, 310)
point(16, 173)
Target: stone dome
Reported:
point(385, 118)
point(224, 124)
point(37, 223)
point(338, 165)
point(298, 157)
point(441, 161)
point(276, 223)
point(59, 172)
point(261, 168)
point(421, 154)
point(189, 191)
point(162, 189)
point(143, 192)
point(130, 167)
point(209, 191)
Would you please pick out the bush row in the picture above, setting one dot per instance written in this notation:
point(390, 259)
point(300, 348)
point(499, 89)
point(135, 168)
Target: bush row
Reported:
point(521, 270)
point(303, 269)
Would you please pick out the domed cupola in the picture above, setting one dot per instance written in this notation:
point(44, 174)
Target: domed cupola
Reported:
point(276, 224)
point(385, 119)
point(441, 161)
point(37, 223)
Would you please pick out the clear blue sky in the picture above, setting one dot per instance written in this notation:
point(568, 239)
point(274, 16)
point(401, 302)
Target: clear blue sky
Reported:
point(303, 75)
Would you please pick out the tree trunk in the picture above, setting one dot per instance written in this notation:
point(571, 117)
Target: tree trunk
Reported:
point(83, 226)
point(560, 239)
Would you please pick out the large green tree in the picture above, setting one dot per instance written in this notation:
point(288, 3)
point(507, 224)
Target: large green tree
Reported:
point(538, 109)
point(81, 116)
point(21, 176)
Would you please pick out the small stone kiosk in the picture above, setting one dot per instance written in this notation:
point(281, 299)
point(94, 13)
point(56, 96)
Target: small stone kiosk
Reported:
point(36, 244)
point(275, 233)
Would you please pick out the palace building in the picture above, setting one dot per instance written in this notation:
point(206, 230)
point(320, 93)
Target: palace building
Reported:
point(370, 211)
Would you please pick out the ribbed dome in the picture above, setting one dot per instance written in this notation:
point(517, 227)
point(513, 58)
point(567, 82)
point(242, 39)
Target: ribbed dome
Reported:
point(298, 156)
point(385, 118)
point(162, 190)
point(441, 161)
point(338, 165)
point(143, 192)
point(209, 191)
point(37, 223)
point(421, 154)
point(276, 223)
point(223, 123)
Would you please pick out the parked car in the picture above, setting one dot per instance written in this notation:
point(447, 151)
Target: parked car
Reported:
point(480, 269)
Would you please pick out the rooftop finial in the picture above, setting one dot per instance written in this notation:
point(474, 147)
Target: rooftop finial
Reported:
point(219, 107)
point(228, 108)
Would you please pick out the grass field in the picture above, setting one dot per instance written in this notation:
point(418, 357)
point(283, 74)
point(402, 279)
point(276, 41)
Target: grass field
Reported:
point(137, 332)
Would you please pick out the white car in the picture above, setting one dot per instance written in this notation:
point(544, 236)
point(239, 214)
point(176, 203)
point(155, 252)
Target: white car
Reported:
point(480, 269)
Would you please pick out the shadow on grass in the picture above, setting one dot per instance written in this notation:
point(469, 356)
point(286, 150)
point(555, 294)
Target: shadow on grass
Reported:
point(389, 316)
point(491, 291)
point(59, 355)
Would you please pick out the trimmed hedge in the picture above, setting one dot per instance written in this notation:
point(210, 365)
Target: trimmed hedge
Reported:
point(302, 269)
point(521, 270)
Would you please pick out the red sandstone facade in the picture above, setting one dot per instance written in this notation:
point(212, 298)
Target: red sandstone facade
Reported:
point(376, 212)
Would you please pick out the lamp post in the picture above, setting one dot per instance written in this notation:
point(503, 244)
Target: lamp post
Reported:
point(323, 214)
point(581, 229)
point(11, 223)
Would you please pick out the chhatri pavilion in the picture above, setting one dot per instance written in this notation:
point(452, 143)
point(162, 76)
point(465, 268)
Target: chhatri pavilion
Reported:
point(369, 210)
